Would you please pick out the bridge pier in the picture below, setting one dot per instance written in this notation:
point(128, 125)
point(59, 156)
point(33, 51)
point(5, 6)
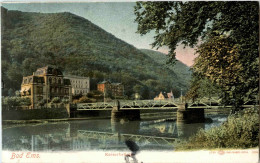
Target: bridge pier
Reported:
point(127, 115)
point(190, 115)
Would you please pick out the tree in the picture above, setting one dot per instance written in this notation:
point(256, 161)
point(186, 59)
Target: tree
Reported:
point(230, 28)
point(137, 88)
point(219, 61)
point(202, 87)
point(12, 102)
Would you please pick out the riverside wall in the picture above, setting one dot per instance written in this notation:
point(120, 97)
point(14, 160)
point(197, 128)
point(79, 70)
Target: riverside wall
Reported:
point(44, 113)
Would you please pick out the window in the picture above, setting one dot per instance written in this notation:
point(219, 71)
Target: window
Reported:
point(39, 90)
point(50, 80)
point(52, 89)
point(59, 81)
point(39, 98)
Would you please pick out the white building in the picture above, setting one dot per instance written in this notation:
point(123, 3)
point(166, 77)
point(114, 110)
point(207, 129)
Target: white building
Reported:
point(80, 85)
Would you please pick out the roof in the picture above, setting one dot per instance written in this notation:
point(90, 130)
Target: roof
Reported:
point(108, 82)
point(48, 70)
point(75, 77)
point(32, 79)
point(116, 83)
point(104, 82)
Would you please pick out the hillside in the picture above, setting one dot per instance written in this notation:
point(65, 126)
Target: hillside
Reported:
point(180, 69)
point(77, 47)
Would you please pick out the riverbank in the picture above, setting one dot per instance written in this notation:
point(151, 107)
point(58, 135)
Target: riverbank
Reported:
point(144, 116)
point(241, 130)
point(10, 122)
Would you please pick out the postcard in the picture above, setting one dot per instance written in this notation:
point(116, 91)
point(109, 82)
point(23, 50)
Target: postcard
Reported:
point(136, 81)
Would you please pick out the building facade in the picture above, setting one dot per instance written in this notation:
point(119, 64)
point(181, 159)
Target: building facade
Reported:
point(117, 89)
point(168, 96)
point(79, 85)
point(160, 97)
point(45, 84)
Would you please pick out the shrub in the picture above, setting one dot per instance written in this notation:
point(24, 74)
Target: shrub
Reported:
point(65, 101)
point(84, 99)
point(95, 94)
point(25, 101)
point(241, 130)
point(42, 102)
point(11, 103)
point(55, 100)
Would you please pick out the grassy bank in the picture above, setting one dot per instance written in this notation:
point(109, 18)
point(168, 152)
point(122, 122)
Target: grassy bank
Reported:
point(241, 130)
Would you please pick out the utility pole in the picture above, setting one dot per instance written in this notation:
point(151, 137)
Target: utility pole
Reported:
point(104, 93)
point(181, 96)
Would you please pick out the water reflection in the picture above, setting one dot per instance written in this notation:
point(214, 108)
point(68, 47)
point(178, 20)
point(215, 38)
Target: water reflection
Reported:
point(187, 130)
point(126, 127)
point(96, 135)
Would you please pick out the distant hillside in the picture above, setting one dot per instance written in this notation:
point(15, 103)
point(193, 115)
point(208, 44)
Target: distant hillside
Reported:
point(180, 69)
point(77, 47)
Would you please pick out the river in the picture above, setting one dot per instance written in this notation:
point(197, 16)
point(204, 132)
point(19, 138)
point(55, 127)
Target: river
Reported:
point(101, 134)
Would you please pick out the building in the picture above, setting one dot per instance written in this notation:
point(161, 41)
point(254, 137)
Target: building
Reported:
point(160, 97)
point(168, 96)
point(45, 84)
point(79, 85)
point(117, 89)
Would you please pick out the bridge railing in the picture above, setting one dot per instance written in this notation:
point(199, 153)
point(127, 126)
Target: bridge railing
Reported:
point(137, 138)
point(129, 104)
point(153, 104)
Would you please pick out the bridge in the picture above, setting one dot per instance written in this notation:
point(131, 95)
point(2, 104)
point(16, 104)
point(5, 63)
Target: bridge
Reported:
point(204, 103)
point(131, 110)
point(126, 105)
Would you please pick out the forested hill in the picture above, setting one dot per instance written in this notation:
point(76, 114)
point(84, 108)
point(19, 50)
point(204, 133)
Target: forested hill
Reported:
point(77, 47)
point(180, 69)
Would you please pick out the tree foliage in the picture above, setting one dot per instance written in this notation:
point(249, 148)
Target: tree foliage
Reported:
point(12, 102)
point(202, 87)
point(56, 100)
point(225, 33)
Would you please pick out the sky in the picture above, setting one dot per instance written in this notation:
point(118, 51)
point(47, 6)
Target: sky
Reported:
point(116, 18)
